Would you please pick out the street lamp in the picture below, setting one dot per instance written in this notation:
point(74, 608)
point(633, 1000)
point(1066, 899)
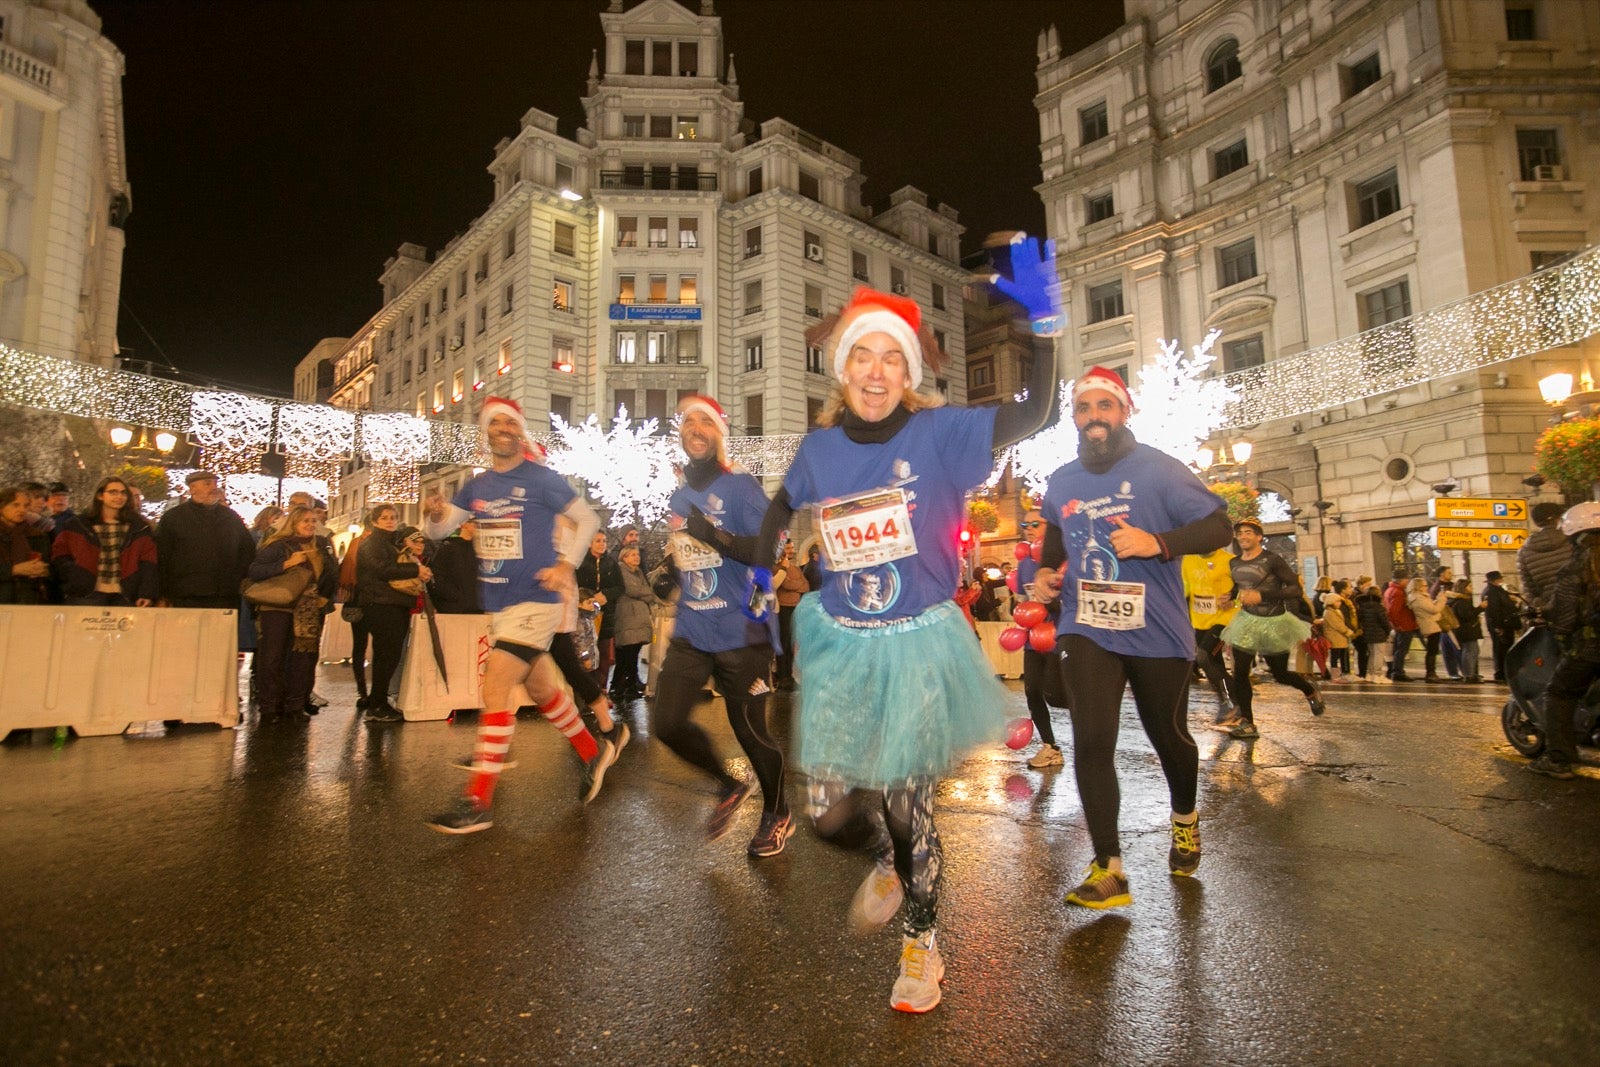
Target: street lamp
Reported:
point(159, 450)
point(1224, 461)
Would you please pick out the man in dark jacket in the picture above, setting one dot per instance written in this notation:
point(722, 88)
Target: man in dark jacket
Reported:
point(1541, 558)
point(1500, 612)
point(203, 548)
point(455, 574)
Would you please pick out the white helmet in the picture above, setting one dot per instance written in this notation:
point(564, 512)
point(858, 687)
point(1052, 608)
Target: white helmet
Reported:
point(1581, 518)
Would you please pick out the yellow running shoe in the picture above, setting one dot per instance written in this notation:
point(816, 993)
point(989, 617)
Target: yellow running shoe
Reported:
point(1184, 856)
point(1101, 889)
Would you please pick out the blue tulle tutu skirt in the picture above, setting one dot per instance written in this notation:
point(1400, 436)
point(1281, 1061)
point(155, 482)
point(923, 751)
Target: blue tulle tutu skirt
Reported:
point(884, 705)
point(1265, 634)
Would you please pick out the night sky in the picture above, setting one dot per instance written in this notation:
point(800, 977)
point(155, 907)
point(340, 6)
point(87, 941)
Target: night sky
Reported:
point(280, 151)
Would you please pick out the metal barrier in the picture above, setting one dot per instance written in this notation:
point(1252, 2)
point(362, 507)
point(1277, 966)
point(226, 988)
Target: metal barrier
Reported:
point(99, 669)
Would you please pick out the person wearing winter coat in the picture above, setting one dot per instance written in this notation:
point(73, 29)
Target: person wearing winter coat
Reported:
point(1373, 621)
point(1542, 556)
point(633, 625)
point(288, 637)
point(107, 557)
point(1402, 622)
point(1470, 631)
point(1337, 629)
point(1425, 610)
point(24, 573)
point(455, 587)
point(385, 609)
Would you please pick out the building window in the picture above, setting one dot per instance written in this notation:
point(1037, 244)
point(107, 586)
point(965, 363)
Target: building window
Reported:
point(1539, 155)
point(661, 127)
point(1105, 301)
point(511, 242)
point(427, 312)
point(688, 347)
point(483, 268)
point(688, 59)
point(444, 298)
point(388, 382)
point(752, 181)
point(813, 249)
point(813, 300)
point(1541, 260)
point(937, 300)
point(655, 346)
point(897, 280)
point(814, 359)
point(461, 292)
point(752, 242)
point(458, 386)
point(752, 297)
point(1385, 305)
point(1392, 348)
point(561, 407)
point(1242, 354)
point(661, 58)
point(561, 354)
point(481, 318)
point(813, 412)
point(939, 342)
point(1520, 24)
point(627, 231)
point(1224, 161)
point(438, 349)
point(633, 57)
point(508, 300)
point(1092, 123)
point(810, 186)
point(627, 346)
point(1098, 208)
point(658, 233)
point(1361, 74)
point(858, 267)
point(752, 353)
point(689, 233)
point(560, 295)
point(1222, 65)
point(405, 372)
point(438, 397)
point(633, 125)
point(422, 405)
point(658, 288)
point(566, 240)
point(688, 289)
point(753, 421)
point(622, 401)
point(688, 127)
point(1236, 262)
point(503, 363)
point(980, 376)
point(1377, 197)
point(564, 176)
point(477, 375)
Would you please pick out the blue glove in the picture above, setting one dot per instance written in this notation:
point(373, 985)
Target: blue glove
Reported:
point(1033, 283)
point(757, 604)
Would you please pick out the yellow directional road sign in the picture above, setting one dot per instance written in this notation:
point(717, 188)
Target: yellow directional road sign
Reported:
point(1476, 507)
point(1464, 537)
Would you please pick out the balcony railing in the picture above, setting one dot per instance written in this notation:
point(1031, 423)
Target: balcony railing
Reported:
point(26, 67)
point(667, 181)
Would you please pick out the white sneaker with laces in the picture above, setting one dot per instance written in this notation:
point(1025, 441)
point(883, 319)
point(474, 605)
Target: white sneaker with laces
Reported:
point(877, 899)
point(921, 971)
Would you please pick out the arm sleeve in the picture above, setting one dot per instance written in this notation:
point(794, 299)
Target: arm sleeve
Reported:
point(773, 523)
point(1198, 537)
point(453, 517)
point(1054, 552)
point(1018, 419)
point(587, 524)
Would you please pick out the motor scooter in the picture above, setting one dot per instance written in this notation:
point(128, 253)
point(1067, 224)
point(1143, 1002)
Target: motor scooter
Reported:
point(1530, 664)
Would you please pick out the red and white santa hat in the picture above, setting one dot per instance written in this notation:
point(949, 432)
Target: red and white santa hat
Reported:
point(499, 405)
point(870, 311)
point(705, 405)
point(1105, 381)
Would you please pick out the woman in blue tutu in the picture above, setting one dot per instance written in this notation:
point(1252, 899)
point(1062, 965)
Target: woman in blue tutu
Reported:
point(1264, 585)
point(893, 689)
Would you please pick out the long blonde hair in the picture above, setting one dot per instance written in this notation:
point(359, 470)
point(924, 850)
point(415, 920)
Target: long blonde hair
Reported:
point(285, 530)
point(834, 408)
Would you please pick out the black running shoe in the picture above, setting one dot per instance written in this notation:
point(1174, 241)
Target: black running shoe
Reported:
point(594, 772)
point(465, 818)
point(728, 803)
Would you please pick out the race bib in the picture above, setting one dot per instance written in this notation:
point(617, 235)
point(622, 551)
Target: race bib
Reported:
point(866, 529)
point(499, 539)
point(694, 555)
point(1111, 605)
point(1203, 605)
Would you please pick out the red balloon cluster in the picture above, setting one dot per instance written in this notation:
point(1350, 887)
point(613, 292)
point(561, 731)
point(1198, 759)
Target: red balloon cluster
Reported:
point(1042, 637)
point(1012, 638)
point(1019, 732)
point(1029, 613)
point(1022, 550)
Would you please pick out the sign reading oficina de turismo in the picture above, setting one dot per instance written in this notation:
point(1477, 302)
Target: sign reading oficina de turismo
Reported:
point(1480, 538)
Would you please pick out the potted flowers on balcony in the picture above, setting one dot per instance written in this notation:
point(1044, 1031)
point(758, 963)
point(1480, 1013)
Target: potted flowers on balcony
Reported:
point(1568, 454)
point(1244, 501)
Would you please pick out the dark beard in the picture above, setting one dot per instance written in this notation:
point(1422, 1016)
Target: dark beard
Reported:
point(1102, 454)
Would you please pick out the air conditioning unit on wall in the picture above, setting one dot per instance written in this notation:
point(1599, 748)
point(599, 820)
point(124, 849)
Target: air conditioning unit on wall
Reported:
point(900, 288)
point(1549, 172)
point(814, 253)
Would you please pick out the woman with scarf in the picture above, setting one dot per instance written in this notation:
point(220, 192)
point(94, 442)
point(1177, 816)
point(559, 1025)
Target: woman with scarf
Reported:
point(288, 638)
point(107, 556)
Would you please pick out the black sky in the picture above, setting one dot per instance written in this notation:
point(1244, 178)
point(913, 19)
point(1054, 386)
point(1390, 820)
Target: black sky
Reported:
point(279, 151)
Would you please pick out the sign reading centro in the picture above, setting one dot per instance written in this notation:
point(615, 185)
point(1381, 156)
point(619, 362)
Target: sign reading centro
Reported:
point(1485, 538)
point(1477, 507)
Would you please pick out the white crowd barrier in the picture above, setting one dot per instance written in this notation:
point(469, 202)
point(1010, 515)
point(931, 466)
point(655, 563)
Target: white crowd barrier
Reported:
point(99, 669)
point(1006, 664)
point(423, 693)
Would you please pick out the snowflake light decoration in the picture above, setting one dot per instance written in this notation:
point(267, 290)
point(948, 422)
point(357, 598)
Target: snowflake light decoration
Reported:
point(629, 469)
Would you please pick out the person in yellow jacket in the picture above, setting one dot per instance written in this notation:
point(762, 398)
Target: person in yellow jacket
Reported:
point(1207, 582)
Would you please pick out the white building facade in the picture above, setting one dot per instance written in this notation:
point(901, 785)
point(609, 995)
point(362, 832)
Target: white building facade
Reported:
point(1293, 172)
point(671, 246)
point(64, 194)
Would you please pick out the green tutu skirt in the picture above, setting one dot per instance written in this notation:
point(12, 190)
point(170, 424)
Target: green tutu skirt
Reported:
point(1265, 634)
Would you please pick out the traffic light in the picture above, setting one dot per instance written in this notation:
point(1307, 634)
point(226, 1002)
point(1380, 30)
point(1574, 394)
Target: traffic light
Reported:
point(965, 538)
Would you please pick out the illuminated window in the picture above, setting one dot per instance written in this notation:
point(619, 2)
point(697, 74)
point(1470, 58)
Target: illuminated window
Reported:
point(688, 289)
point(458, 386)
point(689, 233)
point(561, 295)
point(505, 357)
point(625, 294)
point(627, 346)
point(658, 233)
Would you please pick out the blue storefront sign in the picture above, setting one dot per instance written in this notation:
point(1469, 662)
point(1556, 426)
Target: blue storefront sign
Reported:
point(668, 312)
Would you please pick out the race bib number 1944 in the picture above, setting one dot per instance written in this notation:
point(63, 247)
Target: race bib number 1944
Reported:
point(866, 530)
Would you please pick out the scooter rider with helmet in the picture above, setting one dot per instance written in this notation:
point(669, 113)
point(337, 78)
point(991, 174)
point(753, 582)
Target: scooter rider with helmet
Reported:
point(1574, 617)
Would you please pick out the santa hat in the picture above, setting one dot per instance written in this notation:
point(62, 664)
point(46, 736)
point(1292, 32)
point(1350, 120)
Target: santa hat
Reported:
point(499, 405)
point(1105, 381)
point(870, 311)
point(719, 418)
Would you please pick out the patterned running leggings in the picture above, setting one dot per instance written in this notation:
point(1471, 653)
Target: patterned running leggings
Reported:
point(895, 823)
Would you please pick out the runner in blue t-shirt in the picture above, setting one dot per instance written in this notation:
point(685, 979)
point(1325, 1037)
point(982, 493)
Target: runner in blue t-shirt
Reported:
point(514, 505)
point(1122, 515)
point(712, 637)
point(893, 689)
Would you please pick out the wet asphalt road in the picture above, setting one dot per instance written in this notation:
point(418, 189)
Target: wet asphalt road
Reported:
point(1384, 884)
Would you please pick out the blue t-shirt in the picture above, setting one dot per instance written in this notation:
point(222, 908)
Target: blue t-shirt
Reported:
point(1148, 490)
point(515, 512)
point(709, 614)
point(922, 474)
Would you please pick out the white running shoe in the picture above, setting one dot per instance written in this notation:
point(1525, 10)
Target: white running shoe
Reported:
point(1047, 756)
point(921, 971)
point(877, 899)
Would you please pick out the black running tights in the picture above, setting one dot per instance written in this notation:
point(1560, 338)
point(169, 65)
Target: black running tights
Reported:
point(1278, 664)
point(897, 822)
point(1096, 679)
point(741, 678)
